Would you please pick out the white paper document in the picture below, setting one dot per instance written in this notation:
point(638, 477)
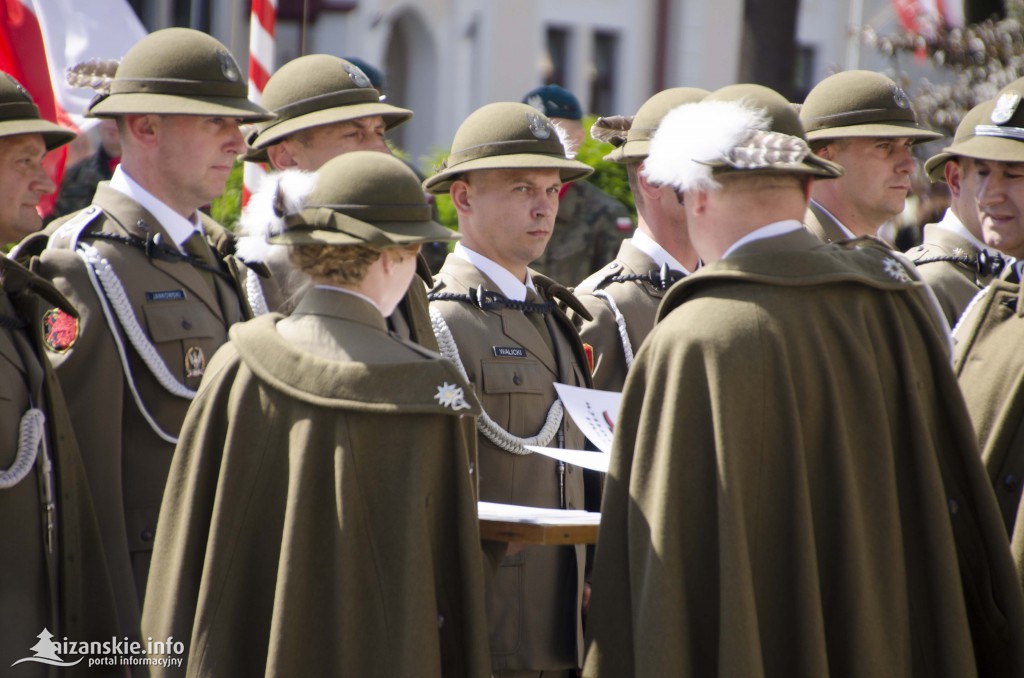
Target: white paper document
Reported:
point(530, 514)
point(593, 411)
point(595, 461)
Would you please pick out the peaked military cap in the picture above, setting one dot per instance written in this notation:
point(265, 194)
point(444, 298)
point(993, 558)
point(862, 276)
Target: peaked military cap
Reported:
point(315, 90)
point(554, 101)
point(637, 142)
point(860, 104)
point(364, 198)
point(988, 146)
point(177, 71)
point(20, 115)
point(748, 129)
point(505, 135)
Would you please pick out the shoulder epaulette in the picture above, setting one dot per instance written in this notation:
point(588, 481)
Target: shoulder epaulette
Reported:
point(66, 236)
point(555, 290)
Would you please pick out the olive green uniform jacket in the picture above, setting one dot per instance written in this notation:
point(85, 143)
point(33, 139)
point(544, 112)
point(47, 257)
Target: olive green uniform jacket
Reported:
point(125, 460)
point(990, 369)
point(588, 229)
point(53, 573)
point(533, 601)
point(320, 516)
point(635, 286)
point(795, 489)
point(955, 282)
point(822, 225)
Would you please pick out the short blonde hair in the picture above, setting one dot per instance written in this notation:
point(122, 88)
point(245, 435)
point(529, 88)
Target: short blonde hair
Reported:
point(341, 264)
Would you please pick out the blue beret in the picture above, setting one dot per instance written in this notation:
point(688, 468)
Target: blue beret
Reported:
point(554, 102)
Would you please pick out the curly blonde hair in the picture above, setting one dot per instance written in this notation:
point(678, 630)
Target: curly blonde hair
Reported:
point(341, 264)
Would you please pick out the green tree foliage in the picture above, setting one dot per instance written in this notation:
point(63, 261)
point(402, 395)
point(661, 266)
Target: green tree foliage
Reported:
point(226, 209)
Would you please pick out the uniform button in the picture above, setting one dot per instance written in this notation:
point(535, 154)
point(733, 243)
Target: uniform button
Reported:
point(569, 469)
point(953, 507)
point(440, 620)
point(517, 380)
point(147, 535)
point(186, 324)
point(1011, 482)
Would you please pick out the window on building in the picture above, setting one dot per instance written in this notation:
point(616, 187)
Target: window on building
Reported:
point(557, 68)
point(606, 59)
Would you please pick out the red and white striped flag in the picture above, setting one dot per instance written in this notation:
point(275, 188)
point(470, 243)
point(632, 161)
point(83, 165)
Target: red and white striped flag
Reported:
point(41, 39)
point(923, 16)
point(261, 67)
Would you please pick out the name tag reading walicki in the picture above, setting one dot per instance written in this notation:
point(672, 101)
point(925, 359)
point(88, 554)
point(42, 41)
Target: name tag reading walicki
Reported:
point(165, 295)
point(509, 352)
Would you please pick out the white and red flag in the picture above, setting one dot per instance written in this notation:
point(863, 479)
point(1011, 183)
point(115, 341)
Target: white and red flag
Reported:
point(41, 39)
point(924, 16)
point(261, 66)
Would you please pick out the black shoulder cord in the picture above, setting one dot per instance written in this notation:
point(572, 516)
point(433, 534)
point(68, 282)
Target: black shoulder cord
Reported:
point(155, 248)
point(661, 279)
point(490, 301)
point(985, 264)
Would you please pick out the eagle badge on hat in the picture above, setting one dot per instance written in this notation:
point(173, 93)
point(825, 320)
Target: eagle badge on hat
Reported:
point(357, 75)
point(195, 362)
point(60, 330)
point(900, 97)
point(228, 66)
point(1005, 107)
point(538, 127)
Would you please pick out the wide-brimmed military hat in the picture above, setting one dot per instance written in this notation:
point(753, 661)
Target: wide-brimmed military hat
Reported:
point(860, 104)
point(505, 135)
point(20, 115)
point(635, 145)
point(315, 90)
point(177, 71)
point(744, 128)
point(363, 198)
point(989, 146)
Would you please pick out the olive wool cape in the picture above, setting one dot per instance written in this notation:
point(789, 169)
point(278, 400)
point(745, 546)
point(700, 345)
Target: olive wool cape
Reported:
point(320, 517)
point(794, 488)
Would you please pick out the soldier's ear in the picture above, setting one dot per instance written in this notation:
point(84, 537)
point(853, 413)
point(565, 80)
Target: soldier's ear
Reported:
point(460, 194)
point(142, 128)
point(953, 173)
point(281, 157)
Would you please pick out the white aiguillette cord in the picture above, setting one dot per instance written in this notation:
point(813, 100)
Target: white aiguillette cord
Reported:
point(487, 426)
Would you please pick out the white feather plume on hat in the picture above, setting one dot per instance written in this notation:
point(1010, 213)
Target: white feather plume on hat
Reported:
point(694, 135)
point(567, 141)
point(280, 194)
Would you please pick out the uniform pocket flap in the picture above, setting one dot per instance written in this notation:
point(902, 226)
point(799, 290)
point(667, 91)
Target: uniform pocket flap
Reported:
point(174, 320)
point(515, 376)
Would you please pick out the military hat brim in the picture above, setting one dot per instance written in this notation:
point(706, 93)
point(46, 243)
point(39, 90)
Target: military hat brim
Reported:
point(569, 170)
point(54, 136)
point(630, 152)
point(145, 103)
point(393, 116)
point(879, 129)
point(347, 230)
point(996, 149)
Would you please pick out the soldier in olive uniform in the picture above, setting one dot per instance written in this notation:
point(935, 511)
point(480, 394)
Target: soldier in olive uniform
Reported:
point(623, 296)
point(325, 107)
point(864, 122)
point(52, 565)
point(155, 281)
point(376, 570)
point(953, 260)
point(989, 363)
point(590, 223)
point(499, 322)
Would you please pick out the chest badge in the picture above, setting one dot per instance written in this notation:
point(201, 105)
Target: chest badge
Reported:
point(508, 352)
point(60, 330)
point(195, 362)
point(450, 395)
